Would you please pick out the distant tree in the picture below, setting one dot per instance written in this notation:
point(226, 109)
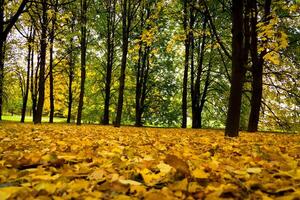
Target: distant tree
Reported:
point(110, 6)
point(186, 64)
point(83, 44)
point(42, 65)
point(129, 10)
point(6, 24)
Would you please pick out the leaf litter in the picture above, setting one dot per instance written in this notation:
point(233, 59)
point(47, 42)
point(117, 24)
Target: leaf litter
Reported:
point(102, 162)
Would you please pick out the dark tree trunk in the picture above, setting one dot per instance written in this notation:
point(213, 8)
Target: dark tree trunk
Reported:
point(192, 46)
point(141, 86)
point(51, 78)
point(197, 94)
point(204, 95)
point(186, 66)
point(126, 21)
point(34, 86)
point(142, 70)
point(25, 97)
point(71, 74)
point(138, 86)
point(2, 53)
point(83, 58)
point(257, 66)
point(238, 70)
point(70, 93)
point(33, 82)
point(111, 9)
point(42, 65)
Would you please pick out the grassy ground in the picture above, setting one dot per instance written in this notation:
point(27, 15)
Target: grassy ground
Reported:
point(60, 161)
point(17, 118)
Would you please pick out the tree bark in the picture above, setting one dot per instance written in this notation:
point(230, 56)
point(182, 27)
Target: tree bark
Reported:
point(126, 21)
point(42, 65)
point(238, 70)
point(186, 66)
point(71, 79)
point(111, 9)
point(25, 97)
point(257, 66)
point(83, 58)
point(51, 78)
point(197, 94)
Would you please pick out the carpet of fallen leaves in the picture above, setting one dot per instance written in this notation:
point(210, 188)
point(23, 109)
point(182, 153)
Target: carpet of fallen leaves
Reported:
point(102, 162)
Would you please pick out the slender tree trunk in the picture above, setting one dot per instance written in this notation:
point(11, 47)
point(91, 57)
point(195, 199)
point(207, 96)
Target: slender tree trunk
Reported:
point(2, 53)
point(42, 65)
point(51, 78)
point(110, 57)
point(126, 19)
point(138, 85)
point(25, 97)
point(144, 84)
point(204, 95)
point(257, 66)
point(238, 70)
point(138, 88)
point(186, 66)
point(70, 93)
point(142, 87)
point(197, 95)
point(32, 82)
point(192, 46)
point(71, 78)
point(83, 58)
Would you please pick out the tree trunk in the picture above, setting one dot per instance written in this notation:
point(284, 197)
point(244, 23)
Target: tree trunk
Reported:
point(83, 58)
point(43, 46)
point(238, 70)
point(71, 78)
point(25, 97)
point(257, 66)
point(138, 87)
point(70, 94)
point(142, 87)
point(32, 82)
point(51, 78)
point(126, 20)
point(204, 95)
point(110, 57)
point(186, 66)
point(197, 95)
point(2, 53)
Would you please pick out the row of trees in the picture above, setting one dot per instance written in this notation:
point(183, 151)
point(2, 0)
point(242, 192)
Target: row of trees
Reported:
point(165, 53)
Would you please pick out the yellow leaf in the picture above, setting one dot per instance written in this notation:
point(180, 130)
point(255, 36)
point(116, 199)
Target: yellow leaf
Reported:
point(254, 170)
point(179, 185)
point(6, 192)
point(129, 182)
point(164, 168)
point(49, 187)
point(199, 173)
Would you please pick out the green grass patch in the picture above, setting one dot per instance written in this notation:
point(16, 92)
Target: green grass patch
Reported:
point(17, 118)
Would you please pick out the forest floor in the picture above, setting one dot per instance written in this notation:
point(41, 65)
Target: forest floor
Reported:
point(62, 161)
